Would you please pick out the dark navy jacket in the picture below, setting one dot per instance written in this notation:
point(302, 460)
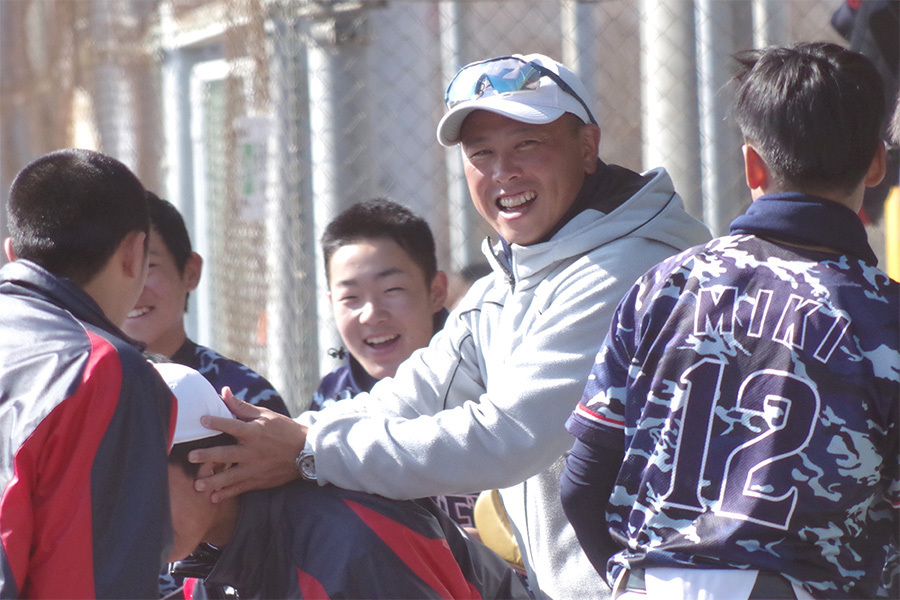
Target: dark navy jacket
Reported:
point(305, 541)
point(86, 424)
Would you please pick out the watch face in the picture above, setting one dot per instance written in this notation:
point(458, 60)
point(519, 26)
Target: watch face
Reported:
point(307, 466)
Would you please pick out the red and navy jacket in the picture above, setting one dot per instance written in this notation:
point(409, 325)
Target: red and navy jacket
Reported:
point(305, 541)
point(86, 422)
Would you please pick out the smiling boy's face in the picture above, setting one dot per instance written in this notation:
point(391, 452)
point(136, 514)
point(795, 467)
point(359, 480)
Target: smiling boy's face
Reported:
point(157, 318)
point(382, 303)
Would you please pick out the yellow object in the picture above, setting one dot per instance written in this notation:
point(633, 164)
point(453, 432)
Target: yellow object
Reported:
point(494, 528)
point(892, 233)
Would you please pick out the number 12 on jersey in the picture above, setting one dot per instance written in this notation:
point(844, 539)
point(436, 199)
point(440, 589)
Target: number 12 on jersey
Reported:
point(740, 446)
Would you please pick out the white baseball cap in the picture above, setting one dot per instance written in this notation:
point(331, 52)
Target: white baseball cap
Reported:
point(196, 397)
point(530, 88)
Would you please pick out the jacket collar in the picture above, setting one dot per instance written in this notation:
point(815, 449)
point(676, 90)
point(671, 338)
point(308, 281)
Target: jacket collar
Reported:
point(604, 190)
point(33, 280)
point(360, 380)
point(258, 534)
point(645, 203)
point(803, 219)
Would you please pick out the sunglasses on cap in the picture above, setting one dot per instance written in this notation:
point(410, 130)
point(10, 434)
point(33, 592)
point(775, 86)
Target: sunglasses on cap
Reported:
point(503, 75)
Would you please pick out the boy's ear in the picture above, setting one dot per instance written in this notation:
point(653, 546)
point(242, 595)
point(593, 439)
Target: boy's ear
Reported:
point(755, 169)
point(878, 168)
point(7, 247)
point(438, 291)
point(134, 254)
point(193, 269)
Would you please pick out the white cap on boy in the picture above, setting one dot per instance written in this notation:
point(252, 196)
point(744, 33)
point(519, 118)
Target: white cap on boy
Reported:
point(196, 397)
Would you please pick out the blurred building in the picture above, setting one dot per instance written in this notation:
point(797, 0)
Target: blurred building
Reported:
point(261, 119)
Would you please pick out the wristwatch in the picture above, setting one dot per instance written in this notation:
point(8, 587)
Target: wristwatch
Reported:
point(306, 465)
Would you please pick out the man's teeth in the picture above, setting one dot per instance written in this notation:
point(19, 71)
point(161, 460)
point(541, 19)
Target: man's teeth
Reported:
point(139, 312)
point(517, 200)
point(372, 341)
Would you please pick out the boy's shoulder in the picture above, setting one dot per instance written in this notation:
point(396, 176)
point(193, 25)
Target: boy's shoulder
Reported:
point(216, 367)
point(221, 371)
point(339, 384)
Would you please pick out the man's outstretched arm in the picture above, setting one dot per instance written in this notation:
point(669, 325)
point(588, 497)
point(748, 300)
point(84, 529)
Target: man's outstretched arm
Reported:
point(267, 445)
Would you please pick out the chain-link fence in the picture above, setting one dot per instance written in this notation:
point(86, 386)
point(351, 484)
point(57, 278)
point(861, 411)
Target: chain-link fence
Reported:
point(262, 119)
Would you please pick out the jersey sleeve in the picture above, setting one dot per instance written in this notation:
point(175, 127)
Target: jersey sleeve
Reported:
point(599, 417)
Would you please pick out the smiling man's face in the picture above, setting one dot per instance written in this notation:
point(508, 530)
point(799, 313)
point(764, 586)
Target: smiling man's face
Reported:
point(522, 177)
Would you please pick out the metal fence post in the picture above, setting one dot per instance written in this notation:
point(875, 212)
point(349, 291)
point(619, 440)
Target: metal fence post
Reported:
point(770, 22)
point(291, 313)
point(113, 88)
point(340, 132)
point(669, 74)
point(178, 187)
point(723, 175)
point(465, 224)
point(579, 44)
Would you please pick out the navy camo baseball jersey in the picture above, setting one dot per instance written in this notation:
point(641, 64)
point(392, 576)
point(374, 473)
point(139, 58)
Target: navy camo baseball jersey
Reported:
point(754, 387)
point(245, 383)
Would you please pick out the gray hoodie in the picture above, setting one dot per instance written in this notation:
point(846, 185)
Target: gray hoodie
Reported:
point(485, 404)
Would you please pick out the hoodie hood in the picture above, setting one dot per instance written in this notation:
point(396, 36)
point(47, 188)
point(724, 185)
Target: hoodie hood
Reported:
point(654, 211)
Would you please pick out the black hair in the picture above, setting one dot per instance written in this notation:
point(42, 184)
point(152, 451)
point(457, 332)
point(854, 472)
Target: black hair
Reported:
point(168, 223)
point(178, 455)
point(813, 111)
point(381, 218)
point(70, 209)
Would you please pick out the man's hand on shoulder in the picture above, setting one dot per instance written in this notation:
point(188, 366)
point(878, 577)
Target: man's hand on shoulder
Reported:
point(267, 445)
